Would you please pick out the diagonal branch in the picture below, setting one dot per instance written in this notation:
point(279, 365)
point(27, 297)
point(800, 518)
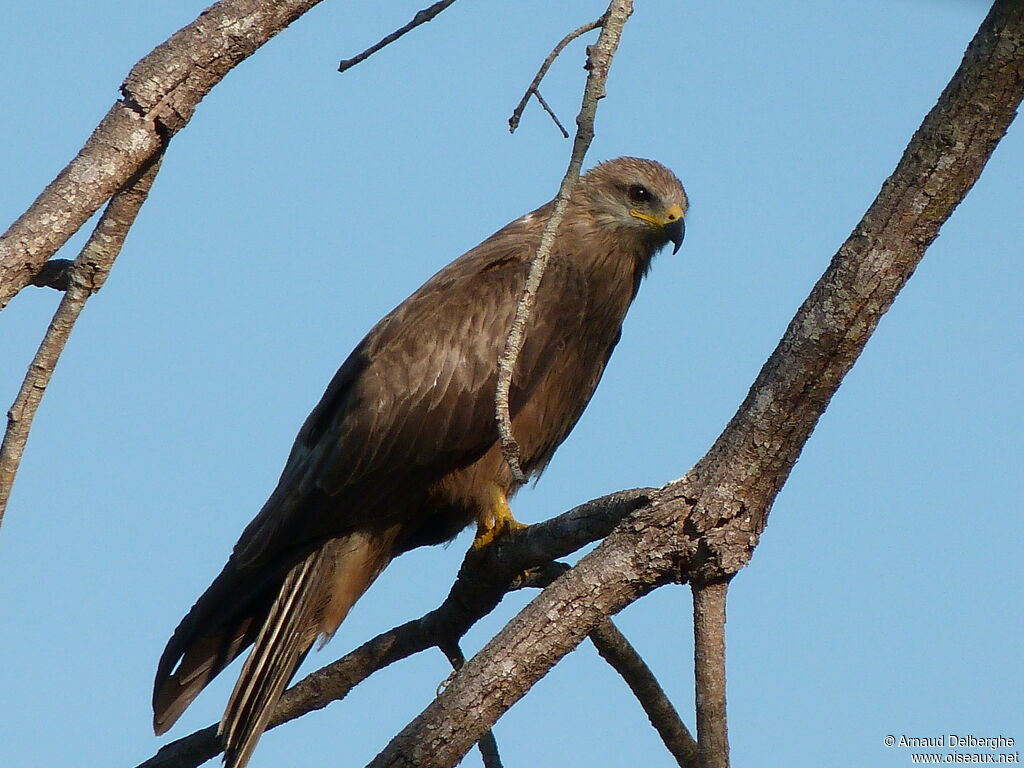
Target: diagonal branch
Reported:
point(615, 649)
point(705, 526)
point(598, 63)
point(624, 659)
point(422, 17)
point(532, 90)
point(83, 278)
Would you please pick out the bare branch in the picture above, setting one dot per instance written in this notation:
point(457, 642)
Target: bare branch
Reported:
point(517, 113)
point(84, 278)
point(598, 63)
point(551, 112)
point(624, 659)
point(486, 575)
point(160, 95)
point(421, 17)
point(709, 672)
point(705, 526)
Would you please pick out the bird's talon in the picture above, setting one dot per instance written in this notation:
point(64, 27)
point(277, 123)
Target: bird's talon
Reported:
point(499, 520)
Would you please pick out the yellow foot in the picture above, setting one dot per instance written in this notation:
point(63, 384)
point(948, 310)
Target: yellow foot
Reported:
point(496, 520)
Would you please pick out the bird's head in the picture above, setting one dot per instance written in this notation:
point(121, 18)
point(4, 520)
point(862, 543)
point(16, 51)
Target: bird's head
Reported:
point(639, 200)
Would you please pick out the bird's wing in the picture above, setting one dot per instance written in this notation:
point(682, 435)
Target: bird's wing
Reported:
point(415, 399)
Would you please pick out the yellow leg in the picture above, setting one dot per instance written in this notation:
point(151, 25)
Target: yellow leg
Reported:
point(495, 520)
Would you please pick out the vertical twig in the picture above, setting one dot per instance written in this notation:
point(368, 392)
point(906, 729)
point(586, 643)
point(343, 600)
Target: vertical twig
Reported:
point(599, 61)
point(709, 671)
point(86, 276)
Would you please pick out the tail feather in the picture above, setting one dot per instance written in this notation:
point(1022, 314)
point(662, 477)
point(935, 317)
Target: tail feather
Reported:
point(313, 600)
point(222, 624)
point(283, 642)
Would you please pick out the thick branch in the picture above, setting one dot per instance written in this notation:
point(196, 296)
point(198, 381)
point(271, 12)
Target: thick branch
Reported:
point(421, 17)
point(160, 95)
point(705, 525)
point(709, 672)
point(83, 278)
point(483, 580)
point(598, 63)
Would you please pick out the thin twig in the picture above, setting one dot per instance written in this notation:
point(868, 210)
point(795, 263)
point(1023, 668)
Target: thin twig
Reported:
point(422, 17)
point(624, 659)
point(551, 112)
point(517, 114)
point(709, 672)
point(598, 62)
point(86, 276)
point(488, 745)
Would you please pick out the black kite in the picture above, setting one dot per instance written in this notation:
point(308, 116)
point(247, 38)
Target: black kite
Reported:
point(402, 449)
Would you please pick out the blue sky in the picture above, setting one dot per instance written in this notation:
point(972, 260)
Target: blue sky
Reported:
point(300, 205)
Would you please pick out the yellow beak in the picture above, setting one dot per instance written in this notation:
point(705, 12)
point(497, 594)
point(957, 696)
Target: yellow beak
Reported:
point(672, 223)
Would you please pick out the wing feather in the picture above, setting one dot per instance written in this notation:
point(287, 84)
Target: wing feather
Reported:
point(415, 399)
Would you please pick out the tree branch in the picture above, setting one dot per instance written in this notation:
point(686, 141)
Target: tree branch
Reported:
point(598, 63)
point(422, 17)
point(532, 90)
point(83, 278)
point(615, 649)
point(160, 95)
point(484, 578)
point(705, 526)
point(709, 672)
point(623, 658)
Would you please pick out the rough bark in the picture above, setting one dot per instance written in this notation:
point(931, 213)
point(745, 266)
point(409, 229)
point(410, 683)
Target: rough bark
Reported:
point(709, 673)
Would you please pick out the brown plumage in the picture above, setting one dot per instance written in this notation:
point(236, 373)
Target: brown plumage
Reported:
point(402, 449)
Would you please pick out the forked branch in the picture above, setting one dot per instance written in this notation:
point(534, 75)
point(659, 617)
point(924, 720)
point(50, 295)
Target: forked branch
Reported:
point(533, 89)
point(483, 580)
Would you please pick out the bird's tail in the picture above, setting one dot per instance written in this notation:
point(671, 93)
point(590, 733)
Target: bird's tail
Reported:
point(314, 599)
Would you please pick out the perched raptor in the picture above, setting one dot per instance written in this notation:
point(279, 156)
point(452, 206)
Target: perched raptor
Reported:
point(402, 450)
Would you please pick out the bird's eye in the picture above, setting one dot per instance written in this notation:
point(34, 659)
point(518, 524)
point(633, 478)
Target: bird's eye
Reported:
point(638, 193)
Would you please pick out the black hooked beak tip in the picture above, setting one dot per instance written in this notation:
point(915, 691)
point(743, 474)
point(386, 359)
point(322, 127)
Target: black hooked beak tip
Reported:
point(676, 231)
